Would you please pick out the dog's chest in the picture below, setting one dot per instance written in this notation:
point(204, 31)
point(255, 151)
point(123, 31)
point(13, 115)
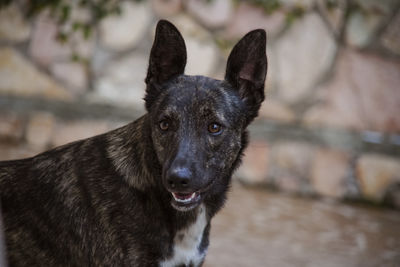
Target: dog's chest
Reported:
point(187, 242)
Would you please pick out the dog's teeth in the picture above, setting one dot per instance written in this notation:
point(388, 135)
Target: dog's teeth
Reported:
point(179, 198)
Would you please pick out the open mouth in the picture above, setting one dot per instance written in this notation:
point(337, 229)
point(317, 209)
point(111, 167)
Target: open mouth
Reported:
point(185, 201)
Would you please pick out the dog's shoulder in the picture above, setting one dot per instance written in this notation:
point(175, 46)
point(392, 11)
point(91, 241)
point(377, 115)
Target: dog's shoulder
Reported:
point(10, 170)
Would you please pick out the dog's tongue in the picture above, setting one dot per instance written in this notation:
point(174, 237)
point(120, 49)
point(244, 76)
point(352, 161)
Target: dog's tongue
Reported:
point(183, 196)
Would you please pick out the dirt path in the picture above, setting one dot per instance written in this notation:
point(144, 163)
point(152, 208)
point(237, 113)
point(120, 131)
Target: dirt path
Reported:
point(259, 228)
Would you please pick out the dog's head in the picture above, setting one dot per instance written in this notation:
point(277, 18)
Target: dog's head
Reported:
point(198, 123)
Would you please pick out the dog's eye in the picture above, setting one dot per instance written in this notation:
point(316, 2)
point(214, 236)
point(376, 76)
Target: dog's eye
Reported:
point(214, 128)
point(164, 125)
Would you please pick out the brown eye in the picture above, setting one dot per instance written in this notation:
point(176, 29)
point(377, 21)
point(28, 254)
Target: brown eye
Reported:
point(164, 125)
point(214, 128)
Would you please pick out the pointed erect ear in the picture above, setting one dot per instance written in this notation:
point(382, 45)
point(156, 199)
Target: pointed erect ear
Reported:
point(246, 69)
point(167, 58)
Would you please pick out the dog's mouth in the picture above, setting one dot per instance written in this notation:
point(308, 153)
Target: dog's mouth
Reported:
point(185, 201)
point(184, 198)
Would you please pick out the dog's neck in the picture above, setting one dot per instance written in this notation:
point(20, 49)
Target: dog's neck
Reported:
point(130, 149)
point(189, 246)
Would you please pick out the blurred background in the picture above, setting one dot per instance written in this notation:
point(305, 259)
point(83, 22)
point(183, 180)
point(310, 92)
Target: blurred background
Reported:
point(321, 175)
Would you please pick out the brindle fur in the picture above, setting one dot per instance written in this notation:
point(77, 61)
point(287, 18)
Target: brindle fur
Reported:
point(105, 201)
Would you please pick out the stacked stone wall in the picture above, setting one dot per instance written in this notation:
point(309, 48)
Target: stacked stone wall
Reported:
point(330, 125)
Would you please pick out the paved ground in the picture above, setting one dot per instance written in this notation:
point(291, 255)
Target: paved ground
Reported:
point(259, 228)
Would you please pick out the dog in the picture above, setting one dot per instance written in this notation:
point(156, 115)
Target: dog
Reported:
point(143, 194)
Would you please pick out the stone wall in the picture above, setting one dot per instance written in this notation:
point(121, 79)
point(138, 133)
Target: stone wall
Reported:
point(330, 125)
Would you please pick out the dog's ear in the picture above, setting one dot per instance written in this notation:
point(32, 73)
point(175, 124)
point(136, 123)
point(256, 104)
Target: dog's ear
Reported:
point(167, 59)
point(246, 69)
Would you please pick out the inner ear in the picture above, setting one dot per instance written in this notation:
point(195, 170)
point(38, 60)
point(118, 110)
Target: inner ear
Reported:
point(247, 72)
point(168, 54)
point(247, 66)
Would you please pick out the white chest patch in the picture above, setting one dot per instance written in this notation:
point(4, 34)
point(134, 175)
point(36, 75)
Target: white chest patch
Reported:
point(187, 242)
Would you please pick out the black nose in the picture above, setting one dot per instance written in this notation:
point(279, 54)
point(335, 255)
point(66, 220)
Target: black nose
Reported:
point(179, 178)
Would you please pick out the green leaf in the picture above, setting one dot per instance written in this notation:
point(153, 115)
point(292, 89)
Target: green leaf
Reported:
point(76, 26)
point(65, 13)
point(87, 31)
point(4, 3)
point(75, 57)
point(62, 37)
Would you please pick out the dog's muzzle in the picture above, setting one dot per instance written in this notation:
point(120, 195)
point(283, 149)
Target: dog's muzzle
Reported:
point(179, 182)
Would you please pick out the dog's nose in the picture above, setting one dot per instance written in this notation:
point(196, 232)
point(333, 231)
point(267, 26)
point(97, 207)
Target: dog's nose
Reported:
point(179, 178)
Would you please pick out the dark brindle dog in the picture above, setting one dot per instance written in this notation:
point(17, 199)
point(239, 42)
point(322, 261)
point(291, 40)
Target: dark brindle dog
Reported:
point(144, 194)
